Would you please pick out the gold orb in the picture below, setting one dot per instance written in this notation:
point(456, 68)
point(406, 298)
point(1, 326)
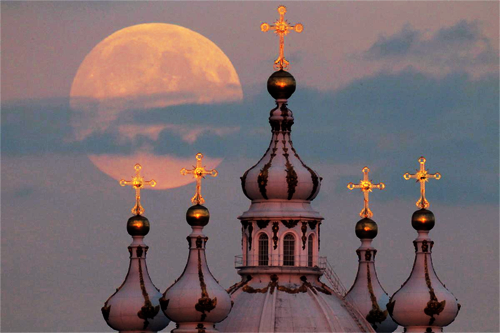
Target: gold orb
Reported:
point(138, 225)
point(281, 85)
point(366, 229)
point(423, 219)
point(197, 216)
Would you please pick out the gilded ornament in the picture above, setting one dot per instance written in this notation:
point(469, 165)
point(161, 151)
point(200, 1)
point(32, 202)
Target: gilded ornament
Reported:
point(368, 257)
point(201, 328)
point(422, 176)
point(105, 311)
point(314, 176)
point(198, 173)
point(290, 223)
point(199, 242)
point(164, 303)
point(138, 183)
point(275, 229)
point(281, 28)
point(262, 224)
point(312, 224)
point(425, 246)
point(139, 251)
point(205, 303)
point(147, 310)
point(376, 315)
point(291, 175)
point(303, 228)
point(434, 307)
point(366, 187)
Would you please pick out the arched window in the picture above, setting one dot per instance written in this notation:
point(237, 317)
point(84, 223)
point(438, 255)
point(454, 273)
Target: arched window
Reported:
point(263, 250)
point(289, 250)
point(310, 249)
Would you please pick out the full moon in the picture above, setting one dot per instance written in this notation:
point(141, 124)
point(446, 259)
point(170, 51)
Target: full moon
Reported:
point(144, 67)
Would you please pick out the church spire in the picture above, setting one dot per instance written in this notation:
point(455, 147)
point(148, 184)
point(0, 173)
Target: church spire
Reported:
point(367, 292)
point(135, 305)
point(423, 303)
point(196, 301)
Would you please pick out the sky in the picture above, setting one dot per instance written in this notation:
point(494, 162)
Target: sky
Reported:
point(378, 84)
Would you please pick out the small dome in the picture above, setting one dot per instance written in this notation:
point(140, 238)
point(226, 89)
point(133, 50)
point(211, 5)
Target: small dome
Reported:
point(138, 225)
point(197, 216)
point(281, 85)
point(423, 219)
point(366, 229)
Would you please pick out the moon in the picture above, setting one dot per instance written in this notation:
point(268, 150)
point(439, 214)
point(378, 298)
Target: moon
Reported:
point(142, 67)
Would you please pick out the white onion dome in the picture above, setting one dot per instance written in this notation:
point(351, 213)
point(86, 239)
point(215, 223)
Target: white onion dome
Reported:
point(280, 174)
point(135, 305)
point(423, 303)
point(367, 292)
point(196, 301)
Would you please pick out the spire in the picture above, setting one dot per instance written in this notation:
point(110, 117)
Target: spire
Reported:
point(138, 183)
point(367, 292)
point(423, 303)
point(196, 301)
point(135, 305)
point(281, 28)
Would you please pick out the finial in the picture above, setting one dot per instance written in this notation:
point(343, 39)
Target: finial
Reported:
point(422, 176)
point(137, 183)
point(281, 27)
point(199, 172)
point(366, 186)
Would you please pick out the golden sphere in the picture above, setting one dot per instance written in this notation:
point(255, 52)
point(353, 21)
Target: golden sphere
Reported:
point(197, 216)
point(366, 229)
point(138, 225)
point(281, 85)
point(423, 219)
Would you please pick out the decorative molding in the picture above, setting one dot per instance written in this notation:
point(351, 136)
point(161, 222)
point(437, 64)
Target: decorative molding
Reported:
point(303, 228)
point(250, 232)
point(312, 224)
point(290, 223)
point(205, 303)
point(262, 224)
point(275, 229)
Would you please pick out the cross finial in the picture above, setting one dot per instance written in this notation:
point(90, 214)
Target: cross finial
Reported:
point(137, 183)
point(422, 176)
point(198, 172)
point(281, 27)
point(366, 186)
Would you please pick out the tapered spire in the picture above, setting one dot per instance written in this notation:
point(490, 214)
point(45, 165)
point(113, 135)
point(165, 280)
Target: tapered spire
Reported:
point(367, 292)
point(423, 303)
point(135, 305)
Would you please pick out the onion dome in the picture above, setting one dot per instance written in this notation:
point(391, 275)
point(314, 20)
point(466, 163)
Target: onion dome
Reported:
point(367, 292)
point(135, 305)
point(281, 174)
point(423, 303)
point(196, 301)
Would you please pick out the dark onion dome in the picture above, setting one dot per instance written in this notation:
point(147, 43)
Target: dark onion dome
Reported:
point(138, 225)
point(281, 85)
point(423, 219)
point(366, 229)
point(197, 216)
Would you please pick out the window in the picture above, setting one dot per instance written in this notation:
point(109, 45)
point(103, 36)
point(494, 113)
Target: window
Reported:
point(289, 250)
point(263, 250)
point(310, 249)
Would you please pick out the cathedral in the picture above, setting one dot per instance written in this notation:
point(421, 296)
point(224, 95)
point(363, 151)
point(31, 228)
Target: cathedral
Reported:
point(286, 285)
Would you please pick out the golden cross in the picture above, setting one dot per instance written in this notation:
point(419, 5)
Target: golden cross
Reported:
point(281, 27)
point(366, 186)
point(199, 172)
point(422, 176)
point(138, 182)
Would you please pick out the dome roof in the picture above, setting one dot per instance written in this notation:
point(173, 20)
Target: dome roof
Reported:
point(280, 173)
point(423, 300)
point(298, 304)
point(135, 305)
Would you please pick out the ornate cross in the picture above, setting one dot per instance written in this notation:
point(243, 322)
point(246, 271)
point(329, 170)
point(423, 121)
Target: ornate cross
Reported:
point(137, 183)
point(281, 27)
point(199, 172)
point(366, 186)
point(422, 176)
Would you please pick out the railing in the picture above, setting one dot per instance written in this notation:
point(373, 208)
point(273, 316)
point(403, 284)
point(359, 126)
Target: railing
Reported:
point(332, 277)
point(274, 260)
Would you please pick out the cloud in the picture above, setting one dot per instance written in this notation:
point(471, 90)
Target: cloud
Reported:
point(448, 49)
point(386, 121)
